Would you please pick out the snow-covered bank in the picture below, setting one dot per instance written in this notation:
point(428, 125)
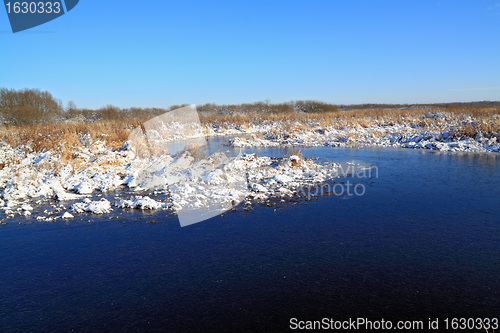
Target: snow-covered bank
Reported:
point(437, 131)
point(177, 182)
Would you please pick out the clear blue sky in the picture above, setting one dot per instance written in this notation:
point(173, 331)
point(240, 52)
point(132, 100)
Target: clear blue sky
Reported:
point(158, 53)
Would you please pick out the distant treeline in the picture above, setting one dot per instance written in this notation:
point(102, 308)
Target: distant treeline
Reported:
point(372, 106)
point(33, 106)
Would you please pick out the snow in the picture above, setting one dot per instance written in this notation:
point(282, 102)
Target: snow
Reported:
point(181, 181)
point(283, 178)
point(102, 206)
point(259, 188)
point(83, 188)
point(403, 133)
point(26, 207)
point(67, 215)
point(141, 203)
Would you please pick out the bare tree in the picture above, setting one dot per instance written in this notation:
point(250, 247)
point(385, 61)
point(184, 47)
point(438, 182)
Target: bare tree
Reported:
point(28, 106)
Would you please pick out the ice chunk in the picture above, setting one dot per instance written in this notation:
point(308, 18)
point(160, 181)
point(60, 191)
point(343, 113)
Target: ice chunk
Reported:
point(26, 207)
point(141, 203)
point(102, 206)
point(259, 188)
point(67, 215)
point(283, 178)
point(83, 188)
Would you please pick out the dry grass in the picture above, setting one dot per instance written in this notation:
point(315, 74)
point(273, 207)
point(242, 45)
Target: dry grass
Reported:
point(296, 152)
point(294, 162)
point(362, 118)
point(487, 129)
point(63, 138)
point(60, 136)
point(195, 150)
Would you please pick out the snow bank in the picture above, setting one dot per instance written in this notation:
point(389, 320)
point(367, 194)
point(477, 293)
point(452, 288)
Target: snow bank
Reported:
point(403, 133)
point(181, 182)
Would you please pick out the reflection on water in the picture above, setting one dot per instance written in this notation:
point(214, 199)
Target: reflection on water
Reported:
point(423, 242)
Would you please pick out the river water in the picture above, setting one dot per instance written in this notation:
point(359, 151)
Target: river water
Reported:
point(423, 241)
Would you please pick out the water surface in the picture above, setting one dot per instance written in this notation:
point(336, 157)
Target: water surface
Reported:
point(422, 242)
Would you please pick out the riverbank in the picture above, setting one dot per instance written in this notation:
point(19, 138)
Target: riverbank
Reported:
point(72, 161)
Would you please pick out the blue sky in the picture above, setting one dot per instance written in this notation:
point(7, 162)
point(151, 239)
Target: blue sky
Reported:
point(159, 53)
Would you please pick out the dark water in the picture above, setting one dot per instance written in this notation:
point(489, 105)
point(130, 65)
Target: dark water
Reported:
point(423, 242)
